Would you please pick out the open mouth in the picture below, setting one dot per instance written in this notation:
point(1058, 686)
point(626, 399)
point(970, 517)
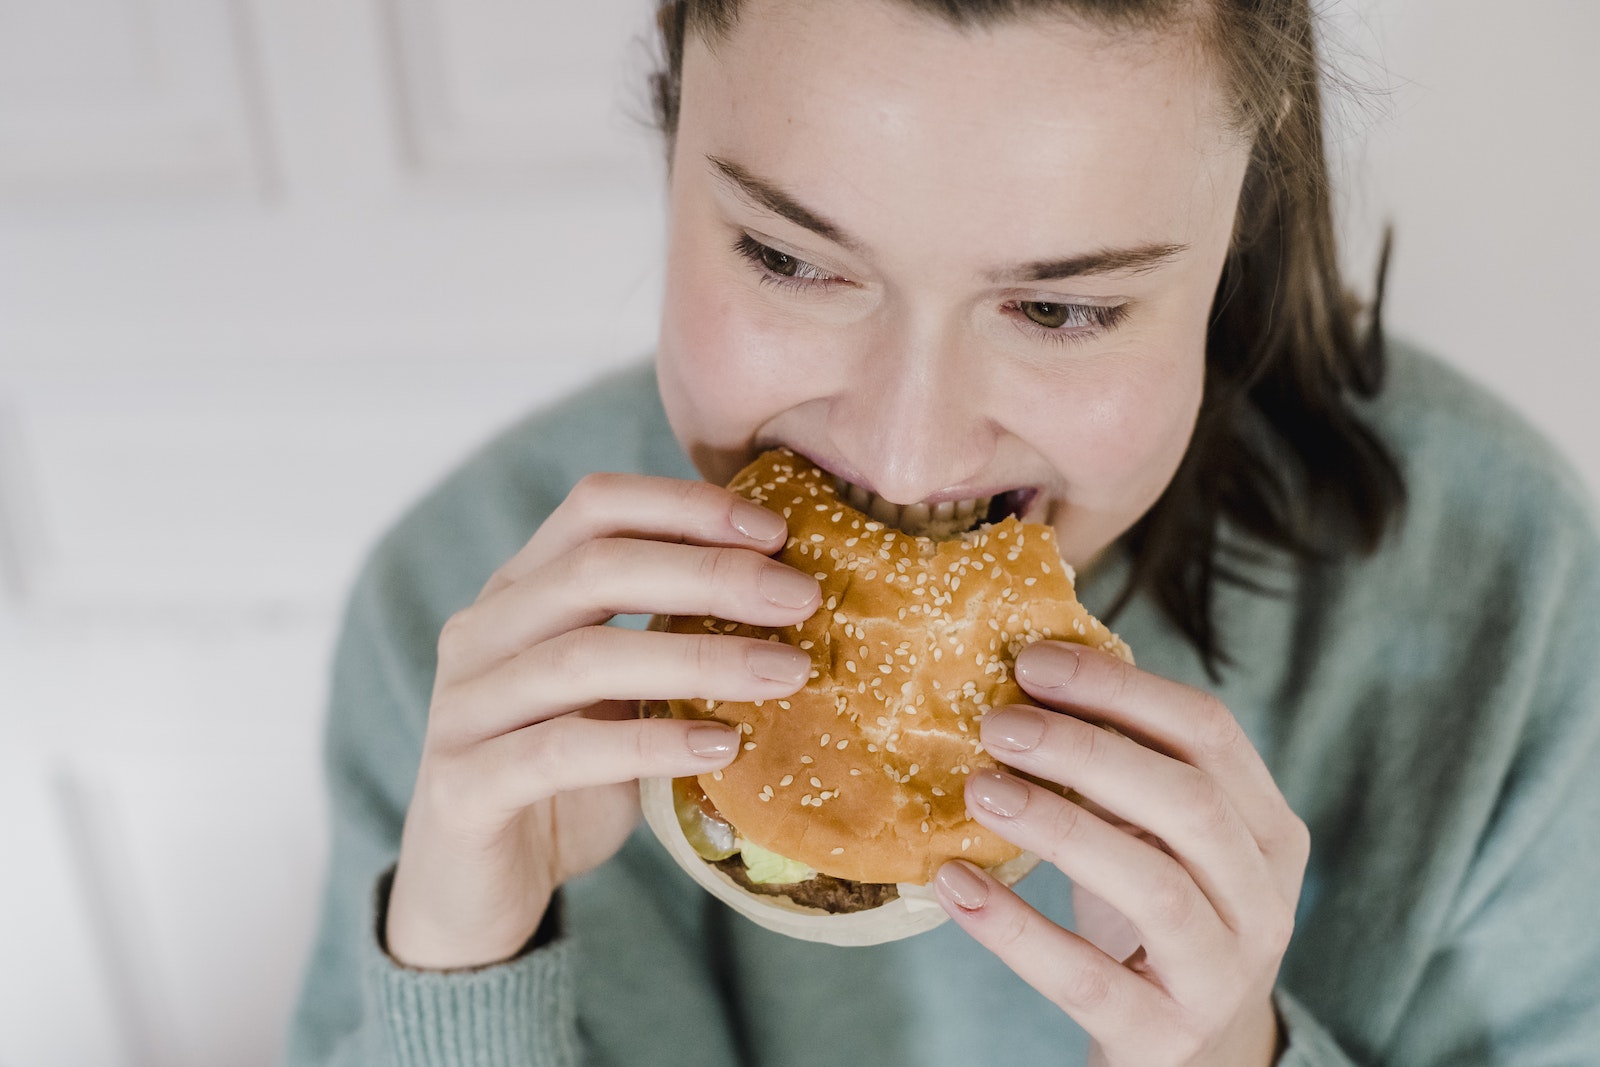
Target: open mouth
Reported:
point(942, 521)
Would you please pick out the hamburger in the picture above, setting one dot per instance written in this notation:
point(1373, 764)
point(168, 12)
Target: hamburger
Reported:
point(846, 798)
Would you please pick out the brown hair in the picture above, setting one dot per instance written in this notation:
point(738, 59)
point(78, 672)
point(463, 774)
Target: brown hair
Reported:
point(1278, 451)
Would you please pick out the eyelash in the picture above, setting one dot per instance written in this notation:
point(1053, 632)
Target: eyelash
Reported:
point(1091, 319)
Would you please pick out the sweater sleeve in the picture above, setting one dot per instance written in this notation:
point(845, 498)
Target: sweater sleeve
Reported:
point(1515, 978)
point(1511, 972)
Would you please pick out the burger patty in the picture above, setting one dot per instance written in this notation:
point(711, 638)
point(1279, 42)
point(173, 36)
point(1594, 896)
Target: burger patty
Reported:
point(837, 895)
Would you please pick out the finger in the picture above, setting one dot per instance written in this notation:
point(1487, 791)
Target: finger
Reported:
point(575, 752)
point(1105, 998)
point(1192, 815)
point(1188, 724)
point(1178, 926)
point(616, 576)
point(635, 505)
point(598, 663)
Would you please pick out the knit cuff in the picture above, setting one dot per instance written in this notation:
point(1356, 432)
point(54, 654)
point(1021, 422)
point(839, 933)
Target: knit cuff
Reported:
point(515, 1014)
point(1308, 1044)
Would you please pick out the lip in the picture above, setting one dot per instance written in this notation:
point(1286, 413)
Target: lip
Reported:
point(831, 464)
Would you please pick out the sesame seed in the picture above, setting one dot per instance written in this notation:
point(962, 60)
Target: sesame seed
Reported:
point(850, 665)
point(855, 772)
point(816, 783)
point(925, 826)
point(805, 800)
point(966, 843)
point(807, 759)
point(716, 776)
point(784, 704)
point(838, 851)
point(938, 792)
point(825, 739)
point(787, 779)
point(748, 745)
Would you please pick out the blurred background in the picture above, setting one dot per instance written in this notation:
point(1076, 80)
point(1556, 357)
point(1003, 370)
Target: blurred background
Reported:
point(268, 268)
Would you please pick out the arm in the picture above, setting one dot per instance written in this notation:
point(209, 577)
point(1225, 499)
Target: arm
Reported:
point(357, 1006)
point(523, 748)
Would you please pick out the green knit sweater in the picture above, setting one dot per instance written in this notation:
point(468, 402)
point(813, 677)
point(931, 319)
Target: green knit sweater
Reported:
point(1432, 712)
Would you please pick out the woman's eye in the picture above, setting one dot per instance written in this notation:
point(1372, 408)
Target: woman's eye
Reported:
point(779, 262)
point(1059, 322)
point(780, 268)
point(1050, 316)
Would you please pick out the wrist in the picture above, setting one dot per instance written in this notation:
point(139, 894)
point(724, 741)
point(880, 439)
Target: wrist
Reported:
point(407, 935)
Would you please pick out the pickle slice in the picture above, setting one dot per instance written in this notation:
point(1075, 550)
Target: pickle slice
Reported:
point(710, 835)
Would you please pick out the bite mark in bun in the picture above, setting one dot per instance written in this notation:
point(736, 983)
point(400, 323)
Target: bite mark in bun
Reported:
point(860, 776)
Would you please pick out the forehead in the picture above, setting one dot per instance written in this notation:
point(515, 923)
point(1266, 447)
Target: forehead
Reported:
point(894, 112)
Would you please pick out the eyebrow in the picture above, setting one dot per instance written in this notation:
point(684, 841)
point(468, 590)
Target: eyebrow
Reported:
point(1134, 260)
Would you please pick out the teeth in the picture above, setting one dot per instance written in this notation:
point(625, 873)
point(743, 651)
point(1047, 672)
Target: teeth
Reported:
point(884, 511)
point(938, 521)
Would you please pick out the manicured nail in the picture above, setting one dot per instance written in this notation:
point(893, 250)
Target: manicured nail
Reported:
point(756, 522)
point(712, 741)
point(1047, 665)
point(787, 587)
point(1012, 729)
point(778, 663)
point(964, 885)
point(1000, 793)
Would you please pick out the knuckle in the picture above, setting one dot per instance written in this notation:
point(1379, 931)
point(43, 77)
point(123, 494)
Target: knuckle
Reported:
point(1277, 930)
point(1296, 839)
point(1122, 679)
point(1082, 743)
point(453, 635)
point(721, 567)
point(1217, 732)
point(1208, 810)
point(1084, 987)
point(591, 565)
point(1172, 898)
point(1066, 822)
point(1012, 931)
point(571, 656)
point(592, 488)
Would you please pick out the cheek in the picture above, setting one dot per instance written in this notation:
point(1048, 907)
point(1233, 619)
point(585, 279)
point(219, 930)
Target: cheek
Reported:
point(1127, 433)
point(728, 364)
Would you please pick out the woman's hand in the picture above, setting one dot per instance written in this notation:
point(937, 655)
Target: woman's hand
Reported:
point(533, 749)
point(1183, 832)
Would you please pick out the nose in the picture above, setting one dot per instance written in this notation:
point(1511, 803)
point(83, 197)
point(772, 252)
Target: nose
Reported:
point(913, 418)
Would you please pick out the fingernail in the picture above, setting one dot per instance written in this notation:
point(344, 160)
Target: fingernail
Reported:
point(1000, 793)
point(1047, 665)
point(756, 522)
point(778, 663)
point(964, 885)
point(1012, 729)
point(712, 741)
point(787, 587)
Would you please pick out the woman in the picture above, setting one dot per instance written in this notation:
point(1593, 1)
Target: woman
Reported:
point(1077, 250)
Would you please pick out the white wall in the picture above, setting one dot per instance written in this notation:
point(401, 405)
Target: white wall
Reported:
point(268, 267)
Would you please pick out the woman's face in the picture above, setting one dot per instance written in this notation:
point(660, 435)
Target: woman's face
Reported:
point(947, 264)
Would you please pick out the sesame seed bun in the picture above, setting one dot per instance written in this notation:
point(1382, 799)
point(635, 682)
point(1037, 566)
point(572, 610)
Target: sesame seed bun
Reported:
point(861, 774)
